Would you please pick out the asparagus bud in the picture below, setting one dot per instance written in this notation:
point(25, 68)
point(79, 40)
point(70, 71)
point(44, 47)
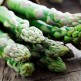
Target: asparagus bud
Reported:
point(50, 48)
point(8, 48)
point(55, 65)
point(20, 27)
point(66, 33)
point(51, 16)
point(24, 69)
point(54, 49)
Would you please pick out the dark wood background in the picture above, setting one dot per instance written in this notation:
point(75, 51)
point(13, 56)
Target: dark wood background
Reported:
point(72, 6)
point(74, 67)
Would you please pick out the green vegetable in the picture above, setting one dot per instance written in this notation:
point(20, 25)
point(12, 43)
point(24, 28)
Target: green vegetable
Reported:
point(66, 33)
point(54, 65)
point(54, 49)
point(20, 27)
point(24, 69)
point(15, 55)
point(8, 48)
point(36, 11)
point(49, 48)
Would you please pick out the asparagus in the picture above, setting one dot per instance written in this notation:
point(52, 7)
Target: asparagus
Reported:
point(15, 55)
point(10, 49)
point(54, 49)
point(54, 65)
point(24, 69)
point(51, 16)
point(49, 48)
point(20, 27)
point(33, 36)
point(67, 34)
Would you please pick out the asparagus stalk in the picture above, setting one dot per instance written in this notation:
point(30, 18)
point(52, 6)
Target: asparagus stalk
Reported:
point(24, 69)
point(54, 65)
point(10, 49)
point(67, 34)
point(49, 47)
point(20, 27)
point(15, 55)
point(51, 16)
point(54, 49)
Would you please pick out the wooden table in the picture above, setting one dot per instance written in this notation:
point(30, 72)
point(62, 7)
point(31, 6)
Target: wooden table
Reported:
point(74, 67)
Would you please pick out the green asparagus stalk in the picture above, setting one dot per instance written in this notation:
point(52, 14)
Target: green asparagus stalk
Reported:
point(67, 34)
point(50, 48)
point(10, 49)
point(54, 49)
point(40, 12)
point(20, 27)
point(54, 65)
point(15, 55)
point(24, 69)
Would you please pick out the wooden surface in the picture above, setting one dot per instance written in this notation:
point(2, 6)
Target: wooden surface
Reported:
point(73, 73)
point(74, 67)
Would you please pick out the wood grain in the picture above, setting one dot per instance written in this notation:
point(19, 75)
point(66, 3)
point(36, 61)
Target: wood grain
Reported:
point(73, 73)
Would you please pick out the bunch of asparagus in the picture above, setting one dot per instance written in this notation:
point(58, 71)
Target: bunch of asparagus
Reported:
point(36, 47)
point(50, 16)
point(70, 23)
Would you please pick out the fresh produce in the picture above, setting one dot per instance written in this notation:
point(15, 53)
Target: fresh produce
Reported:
point(49, 47)
point(15, 55)
point(8, 48)
point(24, 69)
point(51, 16)
point(67, 34)
point(30, 35)
point(54, 65)
point(54, 49)
point(20, 27)
point(36, 47)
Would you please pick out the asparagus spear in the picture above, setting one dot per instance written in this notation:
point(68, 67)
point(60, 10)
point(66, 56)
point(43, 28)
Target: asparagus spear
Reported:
point(67, 34)
point(20, 27)
point(49, 47)
point(36, 11)
point(15, 55)
point(24, 69)
point(54, 49)
point(8, 48)
point(54, 65)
